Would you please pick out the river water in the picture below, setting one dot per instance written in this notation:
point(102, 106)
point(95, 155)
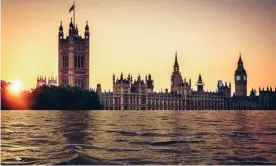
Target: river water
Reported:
point(138, 137)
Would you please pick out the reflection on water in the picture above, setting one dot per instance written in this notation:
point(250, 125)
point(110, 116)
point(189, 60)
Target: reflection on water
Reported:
point(138, 137)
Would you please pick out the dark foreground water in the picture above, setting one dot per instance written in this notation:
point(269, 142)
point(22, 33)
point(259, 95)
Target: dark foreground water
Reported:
point(138, 137)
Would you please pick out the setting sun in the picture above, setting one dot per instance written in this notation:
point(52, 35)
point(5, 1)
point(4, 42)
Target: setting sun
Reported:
point(16, 86)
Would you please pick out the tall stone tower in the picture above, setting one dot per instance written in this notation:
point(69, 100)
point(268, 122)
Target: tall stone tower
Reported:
point(240, 79)
point(176, 78)
point(178, 85)
point(73, 57)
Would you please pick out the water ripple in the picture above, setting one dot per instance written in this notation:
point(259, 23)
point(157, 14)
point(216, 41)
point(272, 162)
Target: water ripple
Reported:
point(138, 137)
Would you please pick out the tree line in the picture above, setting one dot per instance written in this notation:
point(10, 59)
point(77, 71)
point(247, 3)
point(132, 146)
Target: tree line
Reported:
point(51, 98)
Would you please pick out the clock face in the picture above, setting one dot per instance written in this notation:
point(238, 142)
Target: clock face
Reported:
point(244, 77)
point(238, 78)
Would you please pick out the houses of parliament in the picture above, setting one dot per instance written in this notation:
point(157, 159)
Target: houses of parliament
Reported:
point(73, 57)
point(138, 94)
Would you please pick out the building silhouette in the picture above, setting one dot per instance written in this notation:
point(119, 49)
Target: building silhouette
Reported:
point(138, 94)
point(73, 57)
point(200, 84)
point(178, 85)
point(267, 98)
point(240, 79)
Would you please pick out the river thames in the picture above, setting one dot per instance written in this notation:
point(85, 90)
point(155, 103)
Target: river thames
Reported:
point(138, 137)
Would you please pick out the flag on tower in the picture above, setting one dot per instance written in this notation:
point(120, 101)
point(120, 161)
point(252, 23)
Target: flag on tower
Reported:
point(72, 8)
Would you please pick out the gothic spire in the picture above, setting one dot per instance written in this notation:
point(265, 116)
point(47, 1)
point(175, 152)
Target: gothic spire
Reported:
point(86, 32)
point(87, 27)
point(71, 25)
point(77, 30)
point(121, 76)
point(113, 78)
point(240, 60)
point(200, 84)
point(199, 78)
point(176, 66)
point(60, 31)
point(176, 56)
point(60, 27)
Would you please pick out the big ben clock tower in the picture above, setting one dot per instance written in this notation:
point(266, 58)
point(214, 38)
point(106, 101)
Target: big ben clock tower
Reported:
point(240, 79)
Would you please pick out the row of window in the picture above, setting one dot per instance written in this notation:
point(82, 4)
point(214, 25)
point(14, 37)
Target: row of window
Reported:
point(64, 81)
point(78, 62)
point(78, 82)
point(65, 62)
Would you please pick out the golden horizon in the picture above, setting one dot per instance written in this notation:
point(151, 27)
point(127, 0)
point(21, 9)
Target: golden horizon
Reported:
point(141, 38)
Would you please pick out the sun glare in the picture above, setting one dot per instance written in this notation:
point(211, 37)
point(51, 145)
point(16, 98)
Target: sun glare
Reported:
point(16, 86)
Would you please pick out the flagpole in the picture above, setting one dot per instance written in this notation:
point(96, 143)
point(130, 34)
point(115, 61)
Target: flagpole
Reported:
point(74, 14)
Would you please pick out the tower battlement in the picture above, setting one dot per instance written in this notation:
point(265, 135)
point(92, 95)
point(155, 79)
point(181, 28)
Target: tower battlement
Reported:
point(73, 66)
point(42, 80)
point(224, 88)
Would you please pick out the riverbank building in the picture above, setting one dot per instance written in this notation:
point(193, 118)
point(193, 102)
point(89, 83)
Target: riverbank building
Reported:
point(73, 57)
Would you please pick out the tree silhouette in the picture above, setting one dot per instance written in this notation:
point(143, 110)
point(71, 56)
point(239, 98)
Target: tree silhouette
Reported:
point(64, 98)
point(51, 98)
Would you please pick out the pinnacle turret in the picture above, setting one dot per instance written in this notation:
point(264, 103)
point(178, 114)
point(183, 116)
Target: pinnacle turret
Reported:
point(176, 66)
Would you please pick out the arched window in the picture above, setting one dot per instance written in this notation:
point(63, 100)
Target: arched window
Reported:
point(63, 62)
point(79, 63)
point(66, 61)
point(82, 62)
point(75, 61)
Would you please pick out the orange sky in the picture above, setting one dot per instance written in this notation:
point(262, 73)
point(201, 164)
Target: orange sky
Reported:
point(142, 36)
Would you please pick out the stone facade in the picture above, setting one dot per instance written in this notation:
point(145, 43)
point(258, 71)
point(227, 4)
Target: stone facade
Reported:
point(73, 61)
point(267, 98)
point(138, 94)
point(123, 98)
